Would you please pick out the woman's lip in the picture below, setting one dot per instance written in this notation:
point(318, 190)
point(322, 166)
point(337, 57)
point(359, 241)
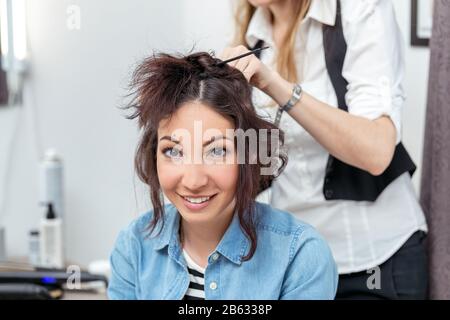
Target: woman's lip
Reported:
point(197, 196)
point(197, 206)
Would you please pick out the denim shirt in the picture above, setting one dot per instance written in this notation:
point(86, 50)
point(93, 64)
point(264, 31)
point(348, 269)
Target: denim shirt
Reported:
point(291, 261)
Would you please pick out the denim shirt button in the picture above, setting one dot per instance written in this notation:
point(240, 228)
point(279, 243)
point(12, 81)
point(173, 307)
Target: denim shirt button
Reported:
point(213, 285)
point(215, 256)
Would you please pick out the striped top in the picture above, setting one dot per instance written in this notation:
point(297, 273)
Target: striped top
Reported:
point(196, 290)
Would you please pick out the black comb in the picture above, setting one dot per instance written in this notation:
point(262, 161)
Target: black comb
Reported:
point(241, 56)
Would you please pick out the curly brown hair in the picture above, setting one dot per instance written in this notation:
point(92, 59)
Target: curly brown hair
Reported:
point(160, 85)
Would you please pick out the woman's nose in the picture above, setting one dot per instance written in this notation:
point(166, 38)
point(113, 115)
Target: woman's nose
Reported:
point(194, 177)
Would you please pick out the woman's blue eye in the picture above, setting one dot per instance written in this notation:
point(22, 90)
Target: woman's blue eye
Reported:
point(218, 152)
point(172, 152)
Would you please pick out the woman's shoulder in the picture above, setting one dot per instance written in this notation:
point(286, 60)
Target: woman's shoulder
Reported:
point(300, 238)
point(279, 221)
point(138, 229)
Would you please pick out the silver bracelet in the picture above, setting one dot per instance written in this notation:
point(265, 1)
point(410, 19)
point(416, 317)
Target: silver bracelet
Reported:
point(296, 96)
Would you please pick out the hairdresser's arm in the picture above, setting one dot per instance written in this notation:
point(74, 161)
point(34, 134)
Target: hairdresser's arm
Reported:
point(367, 134)
point(366, 144)
point(356, 140)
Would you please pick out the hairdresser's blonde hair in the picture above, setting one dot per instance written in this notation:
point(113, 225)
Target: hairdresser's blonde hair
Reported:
point(285, 61)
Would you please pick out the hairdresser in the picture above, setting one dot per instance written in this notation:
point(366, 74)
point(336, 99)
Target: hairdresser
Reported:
point(332, 78)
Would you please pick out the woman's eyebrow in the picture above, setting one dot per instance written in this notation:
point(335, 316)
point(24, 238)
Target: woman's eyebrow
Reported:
point(204, 143)
point(214, 139)
point(169, 138)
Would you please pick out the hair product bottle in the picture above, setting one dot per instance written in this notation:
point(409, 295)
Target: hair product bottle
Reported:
point(34, 253)
point(51, 189)
point(51, 240)
point(51, 181)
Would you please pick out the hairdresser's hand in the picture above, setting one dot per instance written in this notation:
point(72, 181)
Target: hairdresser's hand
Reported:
point(256, 72)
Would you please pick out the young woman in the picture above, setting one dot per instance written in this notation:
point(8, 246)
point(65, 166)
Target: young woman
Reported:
point(339, 63)
point(213, 241)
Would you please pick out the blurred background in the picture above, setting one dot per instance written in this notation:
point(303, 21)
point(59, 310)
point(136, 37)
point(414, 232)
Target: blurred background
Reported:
point(80, 54)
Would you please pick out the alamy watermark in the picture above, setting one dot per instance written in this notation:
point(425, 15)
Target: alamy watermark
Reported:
point(252, 146)
point(74, 279)
point(374, 280)
point(73, 21)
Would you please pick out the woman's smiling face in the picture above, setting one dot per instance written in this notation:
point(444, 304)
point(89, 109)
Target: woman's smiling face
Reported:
point(196, 162)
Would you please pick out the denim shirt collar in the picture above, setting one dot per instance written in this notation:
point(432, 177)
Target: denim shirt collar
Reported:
point(171, 223)
point(233, 245)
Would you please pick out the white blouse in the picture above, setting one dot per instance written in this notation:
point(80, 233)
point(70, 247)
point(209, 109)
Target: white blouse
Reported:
point(362, 235)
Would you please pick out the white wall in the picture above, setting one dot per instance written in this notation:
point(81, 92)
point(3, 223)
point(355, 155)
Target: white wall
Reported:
point(76, 82)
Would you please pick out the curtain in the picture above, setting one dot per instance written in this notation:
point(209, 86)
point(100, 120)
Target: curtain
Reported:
point(3, 86)
point(435, 186)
